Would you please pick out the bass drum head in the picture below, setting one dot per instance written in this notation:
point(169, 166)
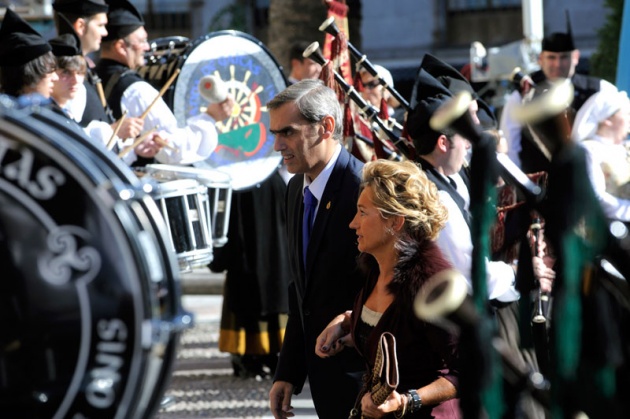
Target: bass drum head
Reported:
point(253, 77)
point(90, 309)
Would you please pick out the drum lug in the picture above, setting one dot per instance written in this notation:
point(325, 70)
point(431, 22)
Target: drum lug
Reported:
point(157, 333)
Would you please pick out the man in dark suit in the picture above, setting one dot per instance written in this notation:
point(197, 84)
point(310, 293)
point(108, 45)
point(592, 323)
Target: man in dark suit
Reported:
point(306, 121)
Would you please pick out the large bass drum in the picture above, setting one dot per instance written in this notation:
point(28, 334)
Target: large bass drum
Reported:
point(253, 76)
point(90, 306)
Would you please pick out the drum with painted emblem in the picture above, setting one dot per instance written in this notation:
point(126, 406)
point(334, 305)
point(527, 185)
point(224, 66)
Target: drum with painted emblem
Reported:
point(253, 77)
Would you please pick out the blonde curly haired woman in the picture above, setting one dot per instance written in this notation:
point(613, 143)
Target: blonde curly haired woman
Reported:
point(399, 216)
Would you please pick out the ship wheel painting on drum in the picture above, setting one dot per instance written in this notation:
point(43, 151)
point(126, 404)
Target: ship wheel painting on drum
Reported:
point(253, 77)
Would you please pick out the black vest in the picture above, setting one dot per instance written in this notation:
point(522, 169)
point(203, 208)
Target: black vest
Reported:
point(532, 159)
point(94, 110)
point(116, 78)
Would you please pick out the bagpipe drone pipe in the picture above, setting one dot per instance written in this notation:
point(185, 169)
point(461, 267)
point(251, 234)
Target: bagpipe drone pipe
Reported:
point(589, 337)
point(402, 145)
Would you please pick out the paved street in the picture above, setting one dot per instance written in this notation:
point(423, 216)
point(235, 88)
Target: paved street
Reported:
point(202, 385)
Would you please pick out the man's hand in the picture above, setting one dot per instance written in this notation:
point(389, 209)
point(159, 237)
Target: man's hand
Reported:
point(222, 110)
point(150, 146)
point(130, 128)
point(280, 400)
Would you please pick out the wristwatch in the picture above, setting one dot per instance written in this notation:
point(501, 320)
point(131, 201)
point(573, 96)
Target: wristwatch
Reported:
point(415, 402)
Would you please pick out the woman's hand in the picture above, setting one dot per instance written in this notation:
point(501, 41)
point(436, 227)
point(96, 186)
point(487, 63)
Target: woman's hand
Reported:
point(393, 403)
point(335, 336)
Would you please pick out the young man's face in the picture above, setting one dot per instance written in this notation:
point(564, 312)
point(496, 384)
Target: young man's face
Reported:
point(92, 32)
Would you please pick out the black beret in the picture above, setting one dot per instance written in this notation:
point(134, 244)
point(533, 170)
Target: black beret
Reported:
point(80, 7)
point(122, 19)
point(455, 81)
point(19, 42)
point(67, 44)
point(558, 42)
point(427, 96)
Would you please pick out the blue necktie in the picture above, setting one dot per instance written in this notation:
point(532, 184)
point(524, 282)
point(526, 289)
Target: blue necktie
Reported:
point(310, 203)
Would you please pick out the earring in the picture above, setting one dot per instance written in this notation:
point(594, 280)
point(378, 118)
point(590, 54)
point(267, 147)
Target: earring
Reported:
point(389, 231)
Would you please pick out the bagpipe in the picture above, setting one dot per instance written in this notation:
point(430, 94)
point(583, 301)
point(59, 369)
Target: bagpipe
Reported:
point(330, 27)
point(589, 340)
point(401, 145)
point(389, 139)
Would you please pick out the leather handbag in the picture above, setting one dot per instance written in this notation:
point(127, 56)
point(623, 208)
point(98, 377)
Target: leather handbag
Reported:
point(383, 379)
point(385, 372)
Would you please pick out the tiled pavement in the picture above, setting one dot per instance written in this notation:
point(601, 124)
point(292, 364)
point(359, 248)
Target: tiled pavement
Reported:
point(202, 384)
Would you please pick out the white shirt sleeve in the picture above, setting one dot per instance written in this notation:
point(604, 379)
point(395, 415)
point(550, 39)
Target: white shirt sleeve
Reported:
point(613, 207)
point(101, 132)
point(194, 142)
point(456, 244)
point(511, 129)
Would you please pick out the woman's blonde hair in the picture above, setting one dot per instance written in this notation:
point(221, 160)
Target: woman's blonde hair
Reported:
point(403, 189)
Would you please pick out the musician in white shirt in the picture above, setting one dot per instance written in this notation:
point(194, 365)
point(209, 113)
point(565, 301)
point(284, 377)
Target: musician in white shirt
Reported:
point(122, 51)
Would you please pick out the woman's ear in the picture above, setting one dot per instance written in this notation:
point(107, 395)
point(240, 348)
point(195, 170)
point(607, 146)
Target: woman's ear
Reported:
point(398, 222)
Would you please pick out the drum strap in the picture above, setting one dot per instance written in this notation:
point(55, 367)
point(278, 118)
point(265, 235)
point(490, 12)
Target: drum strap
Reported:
point(113, 81)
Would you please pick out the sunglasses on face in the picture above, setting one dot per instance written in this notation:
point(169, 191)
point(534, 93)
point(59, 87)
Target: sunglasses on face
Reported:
point(372, 84)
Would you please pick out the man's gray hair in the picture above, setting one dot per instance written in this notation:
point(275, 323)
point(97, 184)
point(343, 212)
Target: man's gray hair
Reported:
point(314, 101)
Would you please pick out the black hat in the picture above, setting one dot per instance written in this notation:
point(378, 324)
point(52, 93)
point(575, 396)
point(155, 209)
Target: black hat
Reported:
point(427, 96)
point(558, 41)
point(122, 19)
point(80, 7)
point(446, 74)
point(455, 81)
point(67, 44)
point(19, 42)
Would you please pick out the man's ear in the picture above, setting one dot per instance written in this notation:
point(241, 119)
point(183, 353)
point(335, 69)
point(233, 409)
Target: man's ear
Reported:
point(329, 124)
point(575, 56)
point(442, 143)
point(120, 47)
point(80, 26)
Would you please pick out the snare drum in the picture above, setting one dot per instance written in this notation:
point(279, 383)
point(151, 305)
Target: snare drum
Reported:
point(90, 306)
point(185, 207)
point(219, 186)
point(253, 77)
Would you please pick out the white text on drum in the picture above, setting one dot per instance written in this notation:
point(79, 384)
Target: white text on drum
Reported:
point(101, 390)
point(46, 179)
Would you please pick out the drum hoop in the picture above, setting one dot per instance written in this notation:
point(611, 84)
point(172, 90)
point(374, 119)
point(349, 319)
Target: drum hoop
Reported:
point(231, 32)
point(92, 175)
point(203, 176)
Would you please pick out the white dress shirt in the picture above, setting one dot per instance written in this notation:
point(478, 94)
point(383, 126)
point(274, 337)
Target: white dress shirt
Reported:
point(455, 242)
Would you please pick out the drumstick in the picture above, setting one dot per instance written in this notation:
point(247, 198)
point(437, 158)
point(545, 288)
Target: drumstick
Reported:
point(101, 94)
point(164, 88)
point(112, 140)
point(140, 139)
point(163, 143)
